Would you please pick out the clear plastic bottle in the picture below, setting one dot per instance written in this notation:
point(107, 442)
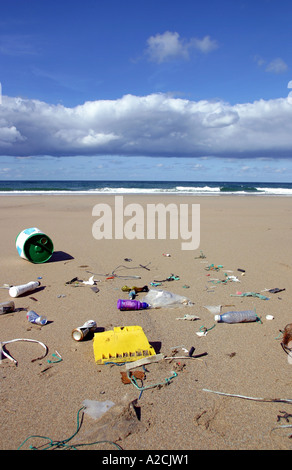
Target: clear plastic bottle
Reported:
point(237, 317)
point(33, 317)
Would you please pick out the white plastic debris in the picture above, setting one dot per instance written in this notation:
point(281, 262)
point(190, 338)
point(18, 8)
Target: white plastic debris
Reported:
point(189, 317)
point(201, 333)
point(232, 278)
point(214, 309)
point(3, 352)
point(96, 409)
point(162, 298)
point(90, 281)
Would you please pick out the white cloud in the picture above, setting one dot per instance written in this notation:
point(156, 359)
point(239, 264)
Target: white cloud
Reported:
point(204, 45)
point(166, 46)
point(152, 125)
point(277, 66)
point(9, 135)
point(169, 45)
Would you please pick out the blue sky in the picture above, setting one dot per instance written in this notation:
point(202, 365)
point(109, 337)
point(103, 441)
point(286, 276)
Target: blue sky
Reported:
point(166, 90)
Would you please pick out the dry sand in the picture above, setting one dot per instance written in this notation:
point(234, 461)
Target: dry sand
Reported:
point(42, 398)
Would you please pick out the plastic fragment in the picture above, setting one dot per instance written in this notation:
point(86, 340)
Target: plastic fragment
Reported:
point(4, 353)
point(90, 281)
point(96, 409)
point(163, 298)
point(214, 309)
point(189, 317)
point(249, 294)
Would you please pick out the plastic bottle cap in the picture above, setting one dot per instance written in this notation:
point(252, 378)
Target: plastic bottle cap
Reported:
point(217, 317)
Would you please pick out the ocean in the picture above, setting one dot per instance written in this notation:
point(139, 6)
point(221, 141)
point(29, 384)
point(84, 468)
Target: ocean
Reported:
point(205, 188)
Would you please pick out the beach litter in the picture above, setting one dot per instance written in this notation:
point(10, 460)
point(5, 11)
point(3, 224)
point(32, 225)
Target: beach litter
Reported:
point(46, 443)
point(213, 267)
point(33, 317)
point(131, 305)
point(278, 400)
point(172, 277)
point(162, 298)
point(242, 316)
point(249, 294)
point(15, 291)
point(7, 307)
point(214, 309)
point(96, 409)
point(138, 374)
point(34, 245)
point(273, 291)
point(142, 387)
point(287, 341)
point(144, 361)
point(114, 275)
point(81, 332)
point(189, 317)
point(135, 288)
point(3, 351)
point(57, 358)
point(116, 423)
point(203, 330)
point(90, 281)
point(122, 344)
point(94, 289)
point(202, 256)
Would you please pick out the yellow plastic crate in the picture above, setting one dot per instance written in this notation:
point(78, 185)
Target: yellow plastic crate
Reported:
point(122, 344)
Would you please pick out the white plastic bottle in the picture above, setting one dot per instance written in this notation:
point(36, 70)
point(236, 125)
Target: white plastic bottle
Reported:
point(15, 291)
point(237, 317)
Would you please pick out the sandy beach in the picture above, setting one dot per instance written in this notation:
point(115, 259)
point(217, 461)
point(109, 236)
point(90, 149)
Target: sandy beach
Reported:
point(41, 398)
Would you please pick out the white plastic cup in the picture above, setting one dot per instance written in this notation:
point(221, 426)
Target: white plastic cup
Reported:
point(15, 291)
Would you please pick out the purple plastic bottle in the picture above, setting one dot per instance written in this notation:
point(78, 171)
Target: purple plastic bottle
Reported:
point(131, 304)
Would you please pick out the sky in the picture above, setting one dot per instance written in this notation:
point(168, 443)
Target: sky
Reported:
point(183, 90)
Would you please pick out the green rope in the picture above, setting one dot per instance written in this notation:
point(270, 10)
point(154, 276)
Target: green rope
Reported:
point(203, 328)
point(279, 335)
point(59, 359)
point(250, 294)
point(53, 445)
point(166, 381)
